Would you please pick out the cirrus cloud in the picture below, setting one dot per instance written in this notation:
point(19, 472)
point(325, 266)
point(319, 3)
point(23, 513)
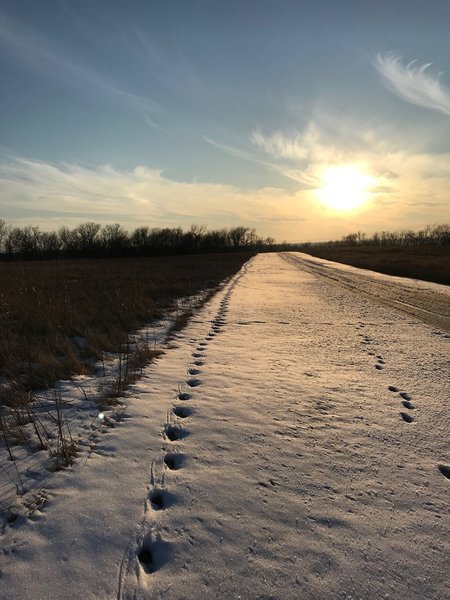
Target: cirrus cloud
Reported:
point(51, 195)
point(414, 82)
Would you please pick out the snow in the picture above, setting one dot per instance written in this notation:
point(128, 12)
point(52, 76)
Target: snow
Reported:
point(288, 470)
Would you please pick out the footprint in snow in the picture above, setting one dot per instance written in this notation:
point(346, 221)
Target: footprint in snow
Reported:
point(445, 470)
point(173, 432)
point(156, 498)
point(406, 417)
point(194, 371)
point(182, 411)
point(199, 363)
point(408, 404)
point(174, 461)
point(153, 552)
point(194, 382)
point(183, 396)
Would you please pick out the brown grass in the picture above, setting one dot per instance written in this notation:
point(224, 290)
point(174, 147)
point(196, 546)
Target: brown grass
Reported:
point(430, 263)
point(58, 317)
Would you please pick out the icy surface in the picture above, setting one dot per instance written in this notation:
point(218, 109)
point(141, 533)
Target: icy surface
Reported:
point(294, 444)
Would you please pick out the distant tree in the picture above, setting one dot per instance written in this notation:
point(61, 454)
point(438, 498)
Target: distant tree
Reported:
point(113, 239)
point(350, 239)
point(239, 236)
point(50, 244)
point(3, 233)
point(86, 237)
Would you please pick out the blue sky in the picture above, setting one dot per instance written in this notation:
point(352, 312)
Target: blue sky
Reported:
point(224, 113)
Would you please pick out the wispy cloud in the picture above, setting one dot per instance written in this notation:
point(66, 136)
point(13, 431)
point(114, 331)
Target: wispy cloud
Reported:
point(174, 71)
point(414, 190)
point(38, 54)
point(238, 153)
point(414, 82)
point(280, 145)
point(301, 155)
point(51, 195)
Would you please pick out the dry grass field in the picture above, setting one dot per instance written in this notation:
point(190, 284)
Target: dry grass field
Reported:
point(430, 263)
point(57, 317)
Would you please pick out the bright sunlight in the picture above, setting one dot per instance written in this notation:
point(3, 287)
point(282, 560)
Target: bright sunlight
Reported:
point(345, 187)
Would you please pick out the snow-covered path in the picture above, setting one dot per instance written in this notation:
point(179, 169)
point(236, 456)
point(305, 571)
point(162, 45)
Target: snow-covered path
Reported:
point(302, 460)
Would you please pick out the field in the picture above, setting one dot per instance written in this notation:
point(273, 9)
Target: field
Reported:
point(430, 263)
point(58, 317)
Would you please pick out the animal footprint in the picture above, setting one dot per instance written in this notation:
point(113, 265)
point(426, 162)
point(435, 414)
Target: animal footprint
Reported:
point(194, 382)
point(392, 388)
point(156, 498)
point(194, 371)
point(445, 470)
point(182, 411)
point(153, 552)
point(173, 432)
point(174, 461)
point(408, 404)
point(405, 396)
point(406, 417)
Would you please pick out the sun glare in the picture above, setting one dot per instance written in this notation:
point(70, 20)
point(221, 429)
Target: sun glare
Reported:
point(344, 188)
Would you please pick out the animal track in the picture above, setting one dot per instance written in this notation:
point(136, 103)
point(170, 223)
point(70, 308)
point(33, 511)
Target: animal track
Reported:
point(392, 388)
point(408, 404)
point(379, 367)
point(445, 470)
point(174, 461)
point(153, 552)
point(406, 417)
point(156, 498)
point(182, 411)
point(173, 432)
point(194, 382)
point(405, 396)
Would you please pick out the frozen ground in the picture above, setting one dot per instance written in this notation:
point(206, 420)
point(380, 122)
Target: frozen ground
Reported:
point(294, 444)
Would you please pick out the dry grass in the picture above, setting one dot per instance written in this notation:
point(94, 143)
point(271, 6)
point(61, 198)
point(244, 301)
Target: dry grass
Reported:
point(58, 317)
point(430, 263)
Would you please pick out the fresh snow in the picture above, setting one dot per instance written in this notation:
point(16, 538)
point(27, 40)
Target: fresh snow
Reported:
point(292, 444)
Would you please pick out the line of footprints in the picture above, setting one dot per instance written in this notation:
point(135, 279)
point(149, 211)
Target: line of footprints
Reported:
point(379, 366)
point(153, 551)
point(406, 399)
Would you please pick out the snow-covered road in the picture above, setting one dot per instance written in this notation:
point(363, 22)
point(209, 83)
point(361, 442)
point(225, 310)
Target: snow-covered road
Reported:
point(294, 444)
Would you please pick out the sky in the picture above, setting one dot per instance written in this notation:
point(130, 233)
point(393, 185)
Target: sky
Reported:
point(306, 120)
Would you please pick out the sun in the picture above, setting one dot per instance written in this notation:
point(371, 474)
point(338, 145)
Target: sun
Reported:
point(345, 187)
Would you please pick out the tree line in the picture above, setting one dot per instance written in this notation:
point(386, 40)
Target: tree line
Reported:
point(430, 235)
point(96, 241)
